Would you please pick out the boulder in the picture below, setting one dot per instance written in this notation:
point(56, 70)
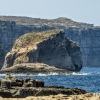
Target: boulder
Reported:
point(47, 47)
point(32, 83)
point(5, 83)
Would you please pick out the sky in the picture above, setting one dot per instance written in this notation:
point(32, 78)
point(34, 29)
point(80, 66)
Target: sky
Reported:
point(87, 11)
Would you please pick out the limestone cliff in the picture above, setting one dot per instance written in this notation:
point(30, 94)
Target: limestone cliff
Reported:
point(89, 41)
point(48, 47)
point(86, 35)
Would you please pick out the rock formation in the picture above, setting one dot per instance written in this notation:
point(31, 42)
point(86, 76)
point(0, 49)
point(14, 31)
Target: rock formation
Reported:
point(12, 87)
point(86, 35)
point(33, 68)
point(48, 47)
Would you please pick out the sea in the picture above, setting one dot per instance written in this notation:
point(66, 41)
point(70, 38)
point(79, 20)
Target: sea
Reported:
point(88, 79)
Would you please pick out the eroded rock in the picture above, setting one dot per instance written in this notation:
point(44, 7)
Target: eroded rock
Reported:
point(48, 47)
point(32, 87)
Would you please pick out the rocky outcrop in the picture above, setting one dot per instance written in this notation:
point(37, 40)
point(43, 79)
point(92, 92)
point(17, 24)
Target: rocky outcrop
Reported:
point(48, 47)
point(12, 87)
point(33, 91)
point(85, 35)
point(33, 68)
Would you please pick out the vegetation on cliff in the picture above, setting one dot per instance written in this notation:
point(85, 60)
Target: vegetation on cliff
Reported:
point(34, 38)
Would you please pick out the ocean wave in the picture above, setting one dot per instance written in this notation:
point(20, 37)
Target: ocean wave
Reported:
point(40, 74)
point(51, 73)
point(74, 73)
point(2, 74)
point(19, 75)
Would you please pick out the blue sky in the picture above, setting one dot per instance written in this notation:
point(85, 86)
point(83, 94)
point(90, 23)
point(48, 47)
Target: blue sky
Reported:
point(78, 10)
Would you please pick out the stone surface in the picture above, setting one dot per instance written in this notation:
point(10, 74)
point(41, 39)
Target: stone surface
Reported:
point(33, 68)
point(32, 87)
point(88, 40)
point(48, 47)
point(42, 91)
point(86, 35)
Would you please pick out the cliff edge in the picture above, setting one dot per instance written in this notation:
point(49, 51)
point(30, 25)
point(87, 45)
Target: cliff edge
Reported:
point(48, 48)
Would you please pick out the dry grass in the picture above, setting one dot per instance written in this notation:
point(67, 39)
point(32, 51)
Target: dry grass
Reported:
point(34, 37)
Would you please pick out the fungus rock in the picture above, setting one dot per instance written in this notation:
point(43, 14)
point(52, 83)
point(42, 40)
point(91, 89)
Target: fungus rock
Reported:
point(51, 48)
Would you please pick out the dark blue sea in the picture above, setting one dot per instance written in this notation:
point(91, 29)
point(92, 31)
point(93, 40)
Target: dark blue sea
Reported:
point(88, 79)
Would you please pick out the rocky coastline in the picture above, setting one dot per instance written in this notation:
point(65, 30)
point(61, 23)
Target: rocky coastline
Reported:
point(12, 88)
point(42, 51)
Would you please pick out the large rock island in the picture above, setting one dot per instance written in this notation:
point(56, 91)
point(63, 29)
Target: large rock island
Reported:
point(43, 51)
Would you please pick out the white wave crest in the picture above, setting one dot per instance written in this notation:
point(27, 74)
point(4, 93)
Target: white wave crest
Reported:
point(51, 73)
point(2, 74)
point(40, 74)
point(19, 74)
point(74, 73)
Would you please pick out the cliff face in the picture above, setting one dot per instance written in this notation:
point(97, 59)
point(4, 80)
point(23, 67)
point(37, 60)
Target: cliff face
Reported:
point(48, 47)
point(86, 35)
point(89, 40)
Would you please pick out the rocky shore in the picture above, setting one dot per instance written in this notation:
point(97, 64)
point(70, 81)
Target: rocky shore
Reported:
point(34, 68)
point(87, 96)
point(12, 88)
